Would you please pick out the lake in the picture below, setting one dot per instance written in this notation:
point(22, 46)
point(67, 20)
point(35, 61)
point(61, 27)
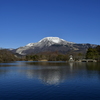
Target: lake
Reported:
point(23, 80)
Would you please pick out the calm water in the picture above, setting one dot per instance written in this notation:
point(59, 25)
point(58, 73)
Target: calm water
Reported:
point(49, 81)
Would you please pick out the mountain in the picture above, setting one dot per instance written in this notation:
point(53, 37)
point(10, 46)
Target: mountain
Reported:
point(52, 44)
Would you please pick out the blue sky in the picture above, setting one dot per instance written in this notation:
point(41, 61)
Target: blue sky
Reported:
point(28, 21)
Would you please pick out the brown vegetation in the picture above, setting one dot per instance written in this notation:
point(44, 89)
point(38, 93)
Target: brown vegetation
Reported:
point(6, 56)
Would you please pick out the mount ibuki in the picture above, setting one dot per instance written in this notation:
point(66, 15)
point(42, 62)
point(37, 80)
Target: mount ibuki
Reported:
point(52, 44)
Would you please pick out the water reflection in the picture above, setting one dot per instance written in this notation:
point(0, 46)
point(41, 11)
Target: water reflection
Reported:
point(51, 73)
point(47, 72)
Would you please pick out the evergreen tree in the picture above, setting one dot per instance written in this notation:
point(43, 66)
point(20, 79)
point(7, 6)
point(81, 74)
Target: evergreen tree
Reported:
point(92, 53)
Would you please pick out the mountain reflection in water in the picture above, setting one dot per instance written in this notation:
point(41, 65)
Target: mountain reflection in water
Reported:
point(49, 73)
point(53, 73)
point(24, 80)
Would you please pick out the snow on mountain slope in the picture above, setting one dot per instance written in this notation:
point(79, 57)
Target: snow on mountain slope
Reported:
point(48, 41)
point(54, 40)
point(30, 44)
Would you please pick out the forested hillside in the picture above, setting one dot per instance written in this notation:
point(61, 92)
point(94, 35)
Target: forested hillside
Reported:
point(6, 56)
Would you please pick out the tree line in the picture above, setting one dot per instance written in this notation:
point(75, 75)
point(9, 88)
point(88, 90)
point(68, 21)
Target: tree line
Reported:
point(93, 53)
point(54, 56)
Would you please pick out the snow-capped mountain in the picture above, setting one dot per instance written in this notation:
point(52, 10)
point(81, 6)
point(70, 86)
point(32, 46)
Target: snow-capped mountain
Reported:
point(48, 41)
point(54, 40)
point(52, 44)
